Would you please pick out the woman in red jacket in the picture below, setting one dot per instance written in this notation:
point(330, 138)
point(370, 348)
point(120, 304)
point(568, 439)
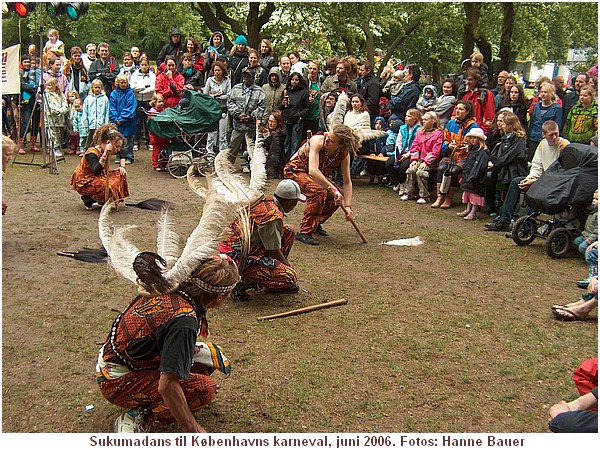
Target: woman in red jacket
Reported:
point(170, 83)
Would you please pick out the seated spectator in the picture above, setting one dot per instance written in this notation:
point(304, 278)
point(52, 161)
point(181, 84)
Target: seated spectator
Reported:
point(454, 150)
point(444, 104)
point(376, 148)
point(399, 160)
point(516, 101)
point(193, 78)
point(428, 99)
point(547, 152)
point(170, 83)
point(582, 120)
point(424, 155)
point(544, 110)
point(409, 94)
point(326, 106)
point(589, 235)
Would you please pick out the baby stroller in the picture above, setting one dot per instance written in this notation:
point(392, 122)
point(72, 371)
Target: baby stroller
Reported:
point(563, 192)
point(187, 125)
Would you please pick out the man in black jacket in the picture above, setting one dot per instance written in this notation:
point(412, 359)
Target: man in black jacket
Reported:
point(174, 48)
point(409, 94)
point(104, 68)
point(369, 89)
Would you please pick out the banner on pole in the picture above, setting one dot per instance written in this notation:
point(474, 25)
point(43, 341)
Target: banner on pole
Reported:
point(11, 83)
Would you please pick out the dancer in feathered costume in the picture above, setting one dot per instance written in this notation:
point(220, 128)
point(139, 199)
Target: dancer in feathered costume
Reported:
point(154, 362)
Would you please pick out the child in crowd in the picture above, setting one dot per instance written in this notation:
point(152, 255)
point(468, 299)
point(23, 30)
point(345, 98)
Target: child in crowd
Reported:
point(158, 143)
point(128, 66)
point(122, 112)
point(399, 161)
point(72, 97)
point(377, 168)
point(79, 131)
point(428, 99)
point(474, 173)
point(56, 113)
point(589, 235)
point(95, 111)
point(477, 62)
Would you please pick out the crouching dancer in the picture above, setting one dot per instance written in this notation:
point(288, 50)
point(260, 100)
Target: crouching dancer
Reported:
point(266, 265)
point(154, 362)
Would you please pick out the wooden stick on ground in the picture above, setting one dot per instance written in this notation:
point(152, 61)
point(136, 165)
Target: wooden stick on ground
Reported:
point(362, 236)
point(306, 309)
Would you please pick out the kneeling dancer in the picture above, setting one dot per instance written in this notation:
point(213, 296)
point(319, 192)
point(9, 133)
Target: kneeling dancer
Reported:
point(266, 265)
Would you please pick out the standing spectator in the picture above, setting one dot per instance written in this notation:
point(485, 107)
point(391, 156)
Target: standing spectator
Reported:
point(369, 88)
point(559, 85)
point(172, 48)
point(193, 48)
point(78, 129)
point(215, 50)
point(297, 65)
point(170, 83)
point(260, 74)
point(143, 83)
point(273, 93)
point(135, 55)
point(30, 80)
point(311, 120)
point(238, 59)
point(157, 105)
point(267, 57)
point(89, 56)
point(294, 106)
point(285, 69)
point(122, 112)
point(572, 95)
point(444, 104)
point(340, 82)
point(95, 110)
point(516, 101)
point(508, 84)
point(56, 111)
point(104, 68)
point(274, 144)
point(582, 121)
point(128, 67)
point(53, 72)
point(76, 73)
point(408, 95)
point(219, 86)
point(193, 78)
point(246, 104)
point(474, 174)
point(499, 89)
point(483, 101)
point(545, 109)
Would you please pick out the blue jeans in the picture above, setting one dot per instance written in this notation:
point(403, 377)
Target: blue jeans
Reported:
point(581, 244)
point(127, 149)
point(510, 206)
point(293, 136)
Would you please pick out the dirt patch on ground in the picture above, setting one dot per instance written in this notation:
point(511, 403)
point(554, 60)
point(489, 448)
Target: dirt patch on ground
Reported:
point(452, 336)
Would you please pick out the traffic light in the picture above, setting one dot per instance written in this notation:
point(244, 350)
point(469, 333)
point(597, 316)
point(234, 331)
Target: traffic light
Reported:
point(54, 9)
point(24, 8)
point(76, 9)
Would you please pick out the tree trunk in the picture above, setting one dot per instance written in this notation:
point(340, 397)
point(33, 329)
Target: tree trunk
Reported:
point(370, 39)
point(472, 13)
point(506, 38)
point(399, 40)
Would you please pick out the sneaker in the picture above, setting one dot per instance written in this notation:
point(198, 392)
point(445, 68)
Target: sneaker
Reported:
point(363, 173)
point(404, 197)
point(150, 147)
point(132, 421)
point(306, 239)
point(293, 289)
point(58, 153)
point(321, 231)
point(95, 205)
point(423, 201)
point(396, 188)
point(159, 169)
point(246, 169)
point(22, 151)
point(128, 161)
point(493, 222)
point(583, 284)
point(118, 161)
point(135, 147)
point(500, 225)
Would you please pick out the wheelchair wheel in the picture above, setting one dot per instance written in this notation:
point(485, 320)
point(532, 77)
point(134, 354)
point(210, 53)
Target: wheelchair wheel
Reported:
point(558, 243)
point(523, 231)
point(205, 164)
point(178, 164)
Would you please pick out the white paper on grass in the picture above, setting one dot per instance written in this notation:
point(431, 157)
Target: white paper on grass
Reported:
point(409, 242)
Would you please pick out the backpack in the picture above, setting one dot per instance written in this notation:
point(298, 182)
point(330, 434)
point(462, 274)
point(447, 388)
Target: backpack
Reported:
point(384, 107)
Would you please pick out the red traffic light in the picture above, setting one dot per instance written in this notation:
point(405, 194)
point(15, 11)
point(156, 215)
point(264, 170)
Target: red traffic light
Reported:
point(24, 8)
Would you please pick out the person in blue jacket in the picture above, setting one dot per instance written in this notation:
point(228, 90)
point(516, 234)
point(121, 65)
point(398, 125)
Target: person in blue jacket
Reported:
point(122, 112)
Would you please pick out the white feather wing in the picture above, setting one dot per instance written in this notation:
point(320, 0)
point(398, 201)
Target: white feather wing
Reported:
point(122, 253)
point(167, 240)
point(339, 110)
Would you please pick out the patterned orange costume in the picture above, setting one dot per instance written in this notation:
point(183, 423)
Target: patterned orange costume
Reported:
point(129, 363)
point(260, 270)
point(85, 182)
point(320, 204)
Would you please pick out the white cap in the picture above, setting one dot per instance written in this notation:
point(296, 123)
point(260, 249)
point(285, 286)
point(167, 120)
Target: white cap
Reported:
point(289, 190)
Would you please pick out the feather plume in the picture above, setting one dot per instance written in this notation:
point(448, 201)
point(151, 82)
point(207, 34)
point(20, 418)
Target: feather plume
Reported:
point(339, 111)
point(258, 173)
point(122, 253)
point(167, 240)
point(368, 135)
point(245, 226)
point(196, 183)
point(203, 241)
point(105, 229)
point(233, 182)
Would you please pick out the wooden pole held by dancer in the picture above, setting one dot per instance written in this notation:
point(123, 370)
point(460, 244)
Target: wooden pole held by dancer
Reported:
point(362, 236)
point(306, 309)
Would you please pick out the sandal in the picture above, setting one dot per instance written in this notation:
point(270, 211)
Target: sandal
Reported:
point(566, 315)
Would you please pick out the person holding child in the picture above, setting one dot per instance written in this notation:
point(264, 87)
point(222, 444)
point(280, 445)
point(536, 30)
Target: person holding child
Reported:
point(122, 112)
point(474, 174)
point(424, 155)
point(90, 176)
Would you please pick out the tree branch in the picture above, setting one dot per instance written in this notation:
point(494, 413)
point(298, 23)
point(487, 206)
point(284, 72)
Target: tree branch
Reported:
point(236, 27)
point(410, 28)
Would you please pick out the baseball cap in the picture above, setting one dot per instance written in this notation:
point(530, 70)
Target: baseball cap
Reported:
point(289, 190)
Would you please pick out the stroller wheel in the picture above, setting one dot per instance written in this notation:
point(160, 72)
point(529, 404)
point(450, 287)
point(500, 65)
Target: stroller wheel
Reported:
point(523, 231)
point(558, 243)
point(178, 164)
point(205, 164)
